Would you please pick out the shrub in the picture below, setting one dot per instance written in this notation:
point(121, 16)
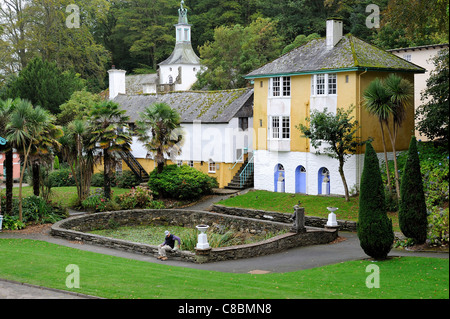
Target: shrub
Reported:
point(374, 227)
point(136, 198)
point(181, 182)
point(412, 215)
point(126, 179)
point(60, 178)
point(438, 226)
point(12, 223)
point(98, 203)
point(35, 209)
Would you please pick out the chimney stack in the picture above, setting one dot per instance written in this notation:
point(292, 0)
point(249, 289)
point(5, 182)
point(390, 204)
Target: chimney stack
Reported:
point(116, 82)
point(334, 32)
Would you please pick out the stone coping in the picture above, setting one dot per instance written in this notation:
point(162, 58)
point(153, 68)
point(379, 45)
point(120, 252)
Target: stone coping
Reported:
point(344, 225)
point(74, 228)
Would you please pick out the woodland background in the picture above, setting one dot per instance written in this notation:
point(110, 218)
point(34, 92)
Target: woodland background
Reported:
point(232, 37)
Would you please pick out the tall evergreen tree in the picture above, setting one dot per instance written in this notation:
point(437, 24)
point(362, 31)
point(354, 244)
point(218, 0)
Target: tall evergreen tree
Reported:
point(374, 227)
point(412, 214)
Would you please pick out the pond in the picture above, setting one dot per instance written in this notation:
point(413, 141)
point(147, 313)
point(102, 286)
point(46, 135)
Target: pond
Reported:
point(154, 235)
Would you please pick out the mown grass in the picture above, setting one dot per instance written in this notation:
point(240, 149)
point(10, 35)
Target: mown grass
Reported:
point(44, 264)
point(314, 205)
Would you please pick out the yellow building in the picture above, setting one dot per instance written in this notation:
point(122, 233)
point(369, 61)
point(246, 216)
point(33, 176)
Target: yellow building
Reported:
point(331, 73)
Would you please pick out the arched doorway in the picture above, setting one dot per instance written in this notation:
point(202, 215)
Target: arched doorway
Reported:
point(323, 181)
point(278, 178)
point(300, 179)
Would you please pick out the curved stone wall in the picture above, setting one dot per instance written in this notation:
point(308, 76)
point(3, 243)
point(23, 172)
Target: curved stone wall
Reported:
point(74, 228)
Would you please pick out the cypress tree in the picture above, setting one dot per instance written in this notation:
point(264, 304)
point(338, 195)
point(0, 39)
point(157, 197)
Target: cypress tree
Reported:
point(374, 227)
point(412, 214)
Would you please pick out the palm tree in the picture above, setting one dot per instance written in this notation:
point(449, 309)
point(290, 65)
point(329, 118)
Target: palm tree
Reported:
point(108, 134)
point(400, 92)
point(42, 150)
point(389, 99)
point(6, 108)
point(26, 125)
point(160, 131)
point(80, 159)
point(376, 101)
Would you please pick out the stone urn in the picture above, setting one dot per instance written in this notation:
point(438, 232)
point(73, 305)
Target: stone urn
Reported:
point(332, 222)
point(202, 239)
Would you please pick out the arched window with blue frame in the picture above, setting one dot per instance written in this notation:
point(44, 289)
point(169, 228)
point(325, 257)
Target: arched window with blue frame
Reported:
point(323, 181)
point(300, 179)
point(278, 178)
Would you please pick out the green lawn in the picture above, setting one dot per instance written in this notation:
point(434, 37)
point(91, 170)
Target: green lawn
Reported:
point(44, 264)
point(314, 205)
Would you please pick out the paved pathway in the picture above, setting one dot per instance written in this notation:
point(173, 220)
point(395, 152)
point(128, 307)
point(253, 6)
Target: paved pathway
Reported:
point(290, 260)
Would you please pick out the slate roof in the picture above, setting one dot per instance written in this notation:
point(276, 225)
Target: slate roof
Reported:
point(208, 107)
point(350, 53)
point(182, 54)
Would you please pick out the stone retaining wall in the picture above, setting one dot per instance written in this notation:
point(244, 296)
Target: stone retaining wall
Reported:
point(75, 228)
point(312, 221)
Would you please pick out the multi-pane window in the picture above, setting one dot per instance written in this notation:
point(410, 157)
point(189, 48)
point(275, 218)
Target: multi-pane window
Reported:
point(281, 86)
point(324, 84)
point(275, 127)
point(281, 128)
point(276, 86)
point(285, 127)
point(332, 83)
point(320, 84)
point(212, 167)
point(286, 86)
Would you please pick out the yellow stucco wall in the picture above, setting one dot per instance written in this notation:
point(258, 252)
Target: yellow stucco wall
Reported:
point(350, 88)
point(370, 124)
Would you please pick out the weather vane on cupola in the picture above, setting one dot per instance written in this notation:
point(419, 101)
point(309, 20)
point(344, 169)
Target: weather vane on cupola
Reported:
point(182, 18)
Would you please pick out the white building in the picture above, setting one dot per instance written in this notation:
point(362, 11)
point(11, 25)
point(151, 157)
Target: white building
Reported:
point(421, 56)
point(177, 73)
point(217, 125)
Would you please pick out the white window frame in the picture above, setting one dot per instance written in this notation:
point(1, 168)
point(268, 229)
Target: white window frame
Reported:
point(211, 166)
point(280, 87)
point(282, 129)
point(324, 84)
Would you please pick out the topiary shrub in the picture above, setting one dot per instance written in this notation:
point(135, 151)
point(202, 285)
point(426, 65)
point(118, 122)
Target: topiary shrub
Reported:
point(412, 214)
point(181, 182)
point(374, 227)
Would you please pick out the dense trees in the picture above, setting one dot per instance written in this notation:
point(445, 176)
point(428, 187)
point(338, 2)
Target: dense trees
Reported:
point(136, 35)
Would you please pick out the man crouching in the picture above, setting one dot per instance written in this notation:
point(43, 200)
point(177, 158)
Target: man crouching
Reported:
point(168, 245)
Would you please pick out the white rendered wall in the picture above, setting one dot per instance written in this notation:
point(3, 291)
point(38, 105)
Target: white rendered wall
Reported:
point(188, 75)
point(265, 162)
point(204, 142)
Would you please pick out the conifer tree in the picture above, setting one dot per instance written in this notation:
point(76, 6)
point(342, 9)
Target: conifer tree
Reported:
point(412, 213)
point(374, 227)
